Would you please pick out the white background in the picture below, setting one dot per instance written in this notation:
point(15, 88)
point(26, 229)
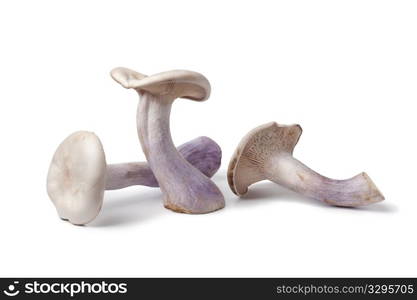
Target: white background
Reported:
point(345, 70)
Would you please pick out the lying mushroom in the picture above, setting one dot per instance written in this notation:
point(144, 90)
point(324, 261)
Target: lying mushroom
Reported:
point(185, 188)
point(78, 174)
point(266, 153)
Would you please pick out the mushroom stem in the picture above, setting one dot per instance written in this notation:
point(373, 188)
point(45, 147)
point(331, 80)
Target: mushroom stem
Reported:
point(124, 175)
point(185, 188)
point(287, 171)
point(202, 152)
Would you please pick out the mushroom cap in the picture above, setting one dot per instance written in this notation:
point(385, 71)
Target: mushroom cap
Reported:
point(77, 177)
point(177, 83)
point(247, 163)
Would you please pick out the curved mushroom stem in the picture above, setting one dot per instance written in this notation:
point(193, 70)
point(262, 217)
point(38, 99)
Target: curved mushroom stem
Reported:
point(287, 171)
point(202, 152)
point(185, 188)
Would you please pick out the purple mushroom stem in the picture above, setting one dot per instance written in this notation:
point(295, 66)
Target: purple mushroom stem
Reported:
point(287, 171)
point(202, 152)
point(185, 188)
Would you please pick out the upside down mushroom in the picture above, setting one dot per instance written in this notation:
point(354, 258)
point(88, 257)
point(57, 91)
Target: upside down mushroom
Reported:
point(185, 188)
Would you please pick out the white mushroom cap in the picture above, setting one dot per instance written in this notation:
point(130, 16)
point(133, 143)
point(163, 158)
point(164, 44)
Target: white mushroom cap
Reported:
point(77, 177)
point(177, 83)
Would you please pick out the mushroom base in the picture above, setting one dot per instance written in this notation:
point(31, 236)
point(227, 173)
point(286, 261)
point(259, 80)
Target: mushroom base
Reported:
point(171, 206)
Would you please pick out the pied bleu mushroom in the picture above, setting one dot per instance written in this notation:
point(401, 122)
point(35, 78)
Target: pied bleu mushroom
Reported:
point(184, 187)
point(79, 174)
point(265, 153)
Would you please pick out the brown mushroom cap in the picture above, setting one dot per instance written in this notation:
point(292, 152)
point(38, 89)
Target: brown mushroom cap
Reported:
point(177, 83)
point(246, 165)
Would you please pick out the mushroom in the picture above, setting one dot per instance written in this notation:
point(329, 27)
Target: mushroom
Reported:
point(185, 188)
point(266, 153)
point(78, 174)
